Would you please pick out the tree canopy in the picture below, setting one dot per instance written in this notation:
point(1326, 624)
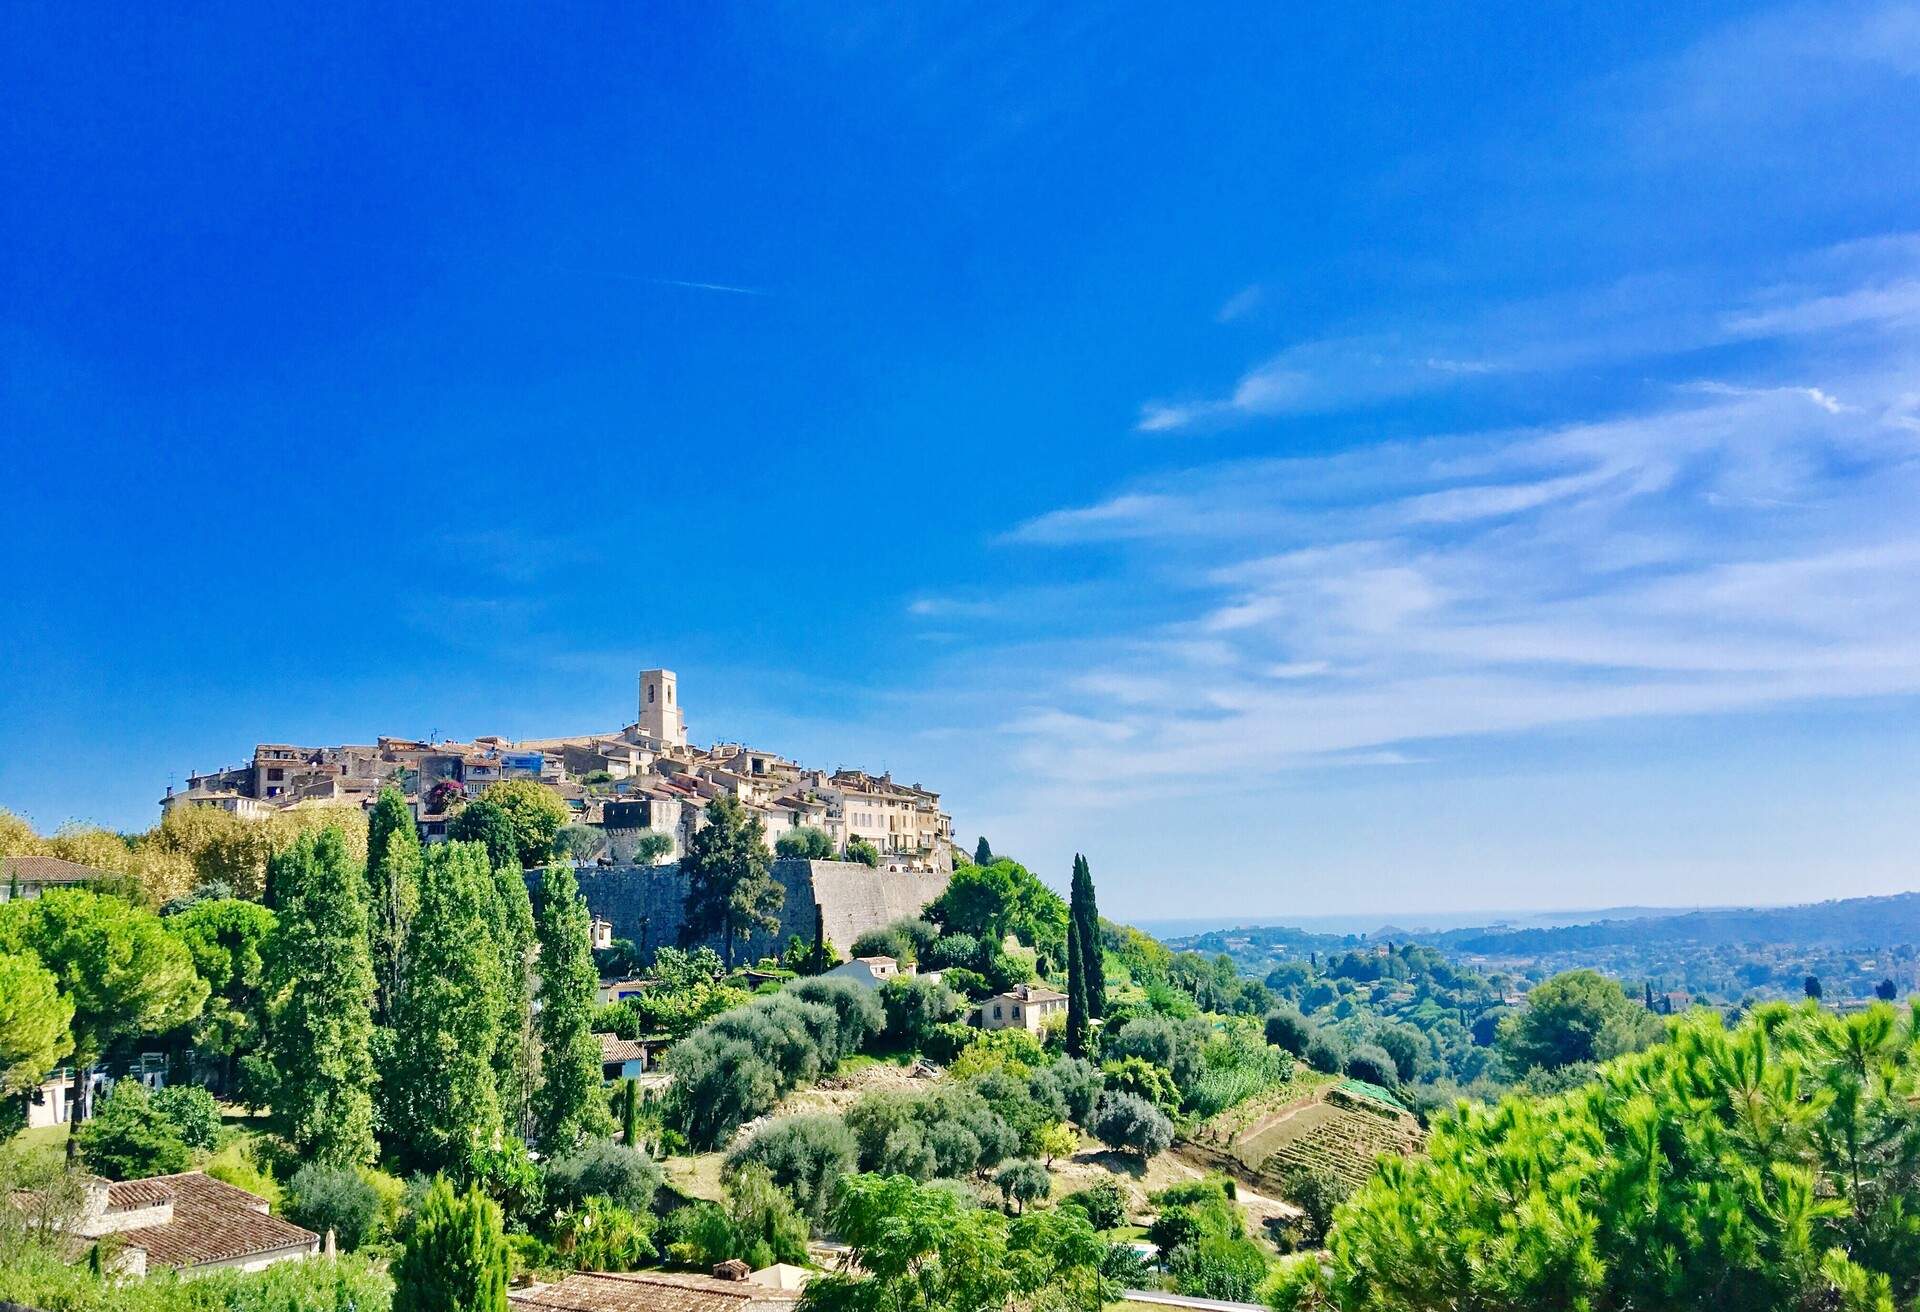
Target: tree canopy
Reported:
point(730, 890)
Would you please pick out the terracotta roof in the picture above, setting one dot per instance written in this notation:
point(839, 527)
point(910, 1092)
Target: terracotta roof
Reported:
point(212, 1222)
point(132, 1195)
point(614, 1048)
point(47, 870)
point(652, 1291)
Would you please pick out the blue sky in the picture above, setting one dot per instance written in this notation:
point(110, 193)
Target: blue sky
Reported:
point(1407, 459)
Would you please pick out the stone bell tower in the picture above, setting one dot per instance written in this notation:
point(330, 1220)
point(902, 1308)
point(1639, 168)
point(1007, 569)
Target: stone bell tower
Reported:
point(660, 717)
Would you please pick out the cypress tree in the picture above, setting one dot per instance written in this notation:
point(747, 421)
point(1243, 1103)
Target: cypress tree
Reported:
point(630, 1111)
point(820, 962)
point(456, 1255)
point(443, 1100)
point(321, 1032)
point(1083, 911)
point(570, 1104)
point(393, 892)
point(488, 824)
point(1076, 991)
point(982, 853)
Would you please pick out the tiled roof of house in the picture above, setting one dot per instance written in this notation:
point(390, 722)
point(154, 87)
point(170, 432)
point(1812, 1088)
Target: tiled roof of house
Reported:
point(47, 870)
point(212, 1222)
point(132, 1195)
point(652, 1291)
point(614, 1048)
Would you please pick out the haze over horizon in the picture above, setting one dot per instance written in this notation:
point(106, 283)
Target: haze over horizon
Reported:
point(1420, 459)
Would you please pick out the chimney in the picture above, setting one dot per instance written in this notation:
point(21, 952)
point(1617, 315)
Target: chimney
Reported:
point(731, 1269)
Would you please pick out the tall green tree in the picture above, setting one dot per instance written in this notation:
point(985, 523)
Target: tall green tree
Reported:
point(442, 1098)
point(730, 888)
point(35, 1026)
point(487, 823)
point(983, 852)
point(320, 1036)
point(1577, 1016)
point(230, 941)
point(393, 892)
point(455, 1259)
point(536, 814)
point(1076, 991)
point(123, 973)
point(1083, 909)
point(514, 1053)
point(570, 1104)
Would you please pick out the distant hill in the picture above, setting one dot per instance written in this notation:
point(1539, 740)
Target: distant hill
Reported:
point(1862, 922)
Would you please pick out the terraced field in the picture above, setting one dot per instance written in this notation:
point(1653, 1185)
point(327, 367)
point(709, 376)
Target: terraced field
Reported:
point(1335, 1132)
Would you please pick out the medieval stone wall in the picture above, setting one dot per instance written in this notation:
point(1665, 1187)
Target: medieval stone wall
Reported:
point(647, 904)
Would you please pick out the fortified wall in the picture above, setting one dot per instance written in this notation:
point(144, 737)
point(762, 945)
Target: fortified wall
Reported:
point(647, 904)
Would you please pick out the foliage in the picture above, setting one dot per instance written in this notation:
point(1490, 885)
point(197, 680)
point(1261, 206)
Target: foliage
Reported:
point(128, 1137)
point(949, 1131)
point(601, 1235)
point(243, 1164)
point(1316, 1192)
point(1579, 1016)
point(1104, 1204)
point(917, 1248)
point(336, 1198)
point(320, 1038)
point(859, 849)
point(904, 940)
point(1218, 1266)
point(1000, 898)
point(536, 814)
point(1172, 1045)
point(1236, 1064)
point(1371, 1062)
point(440, 1094)
point(1288, 1030)
point(1056, 1140)
point(1140, 1077)
point(736, 1066)
point(1767, 1166)
point(758, 1225)
point(506, 1172)
point(1086, 959)
point(601, 1168)
point(914, 1008)
point(123, 973)
point(806, 842)
point(488, 824)
point(1327, 1052)
point(192, 1112)
point(652, 847)
point(35, 1021)
point(1079, 1084)
point(730, 890)
point(455, 1258)
point(42, 1278)
point(804, 1155)
point(394, 862)
point(1023, 1182)
point(579, 843)
point(228, 940)
point(1129, 1123)
point(570, 1105)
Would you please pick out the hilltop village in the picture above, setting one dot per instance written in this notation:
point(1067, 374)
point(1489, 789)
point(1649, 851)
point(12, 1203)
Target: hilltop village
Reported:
point(647, 778)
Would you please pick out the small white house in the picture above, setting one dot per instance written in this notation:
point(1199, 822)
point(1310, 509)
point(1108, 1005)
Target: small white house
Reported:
point(870, 971)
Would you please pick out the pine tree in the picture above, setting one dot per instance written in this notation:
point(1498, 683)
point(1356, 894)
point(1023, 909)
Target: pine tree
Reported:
point(820, 958)
point(514, 1051)
point(1076, 991)
point(1083, 911)
point(456, 1255)
point(982, 853)
point(321, 1032)
point(570, 1105)
point(443, 1101)
point(393, 892)
point(730, 888)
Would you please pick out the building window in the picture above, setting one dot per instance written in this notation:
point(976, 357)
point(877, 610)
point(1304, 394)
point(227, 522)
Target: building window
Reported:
point(649, 694)
point(996, 1011)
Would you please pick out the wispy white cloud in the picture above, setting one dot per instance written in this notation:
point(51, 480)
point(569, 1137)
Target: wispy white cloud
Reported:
point(1241, 304)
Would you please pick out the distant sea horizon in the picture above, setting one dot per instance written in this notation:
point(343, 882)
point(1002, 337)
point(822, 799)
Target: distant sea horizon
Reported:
point(1431, 922)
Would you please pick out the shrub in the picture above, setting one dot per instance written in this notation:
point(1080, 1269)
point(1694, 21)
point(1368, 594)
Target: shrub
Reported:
point(242, 1165)
point(193, 1112)
point(1142, 1078)
point(1131, 1124)
point(914, 1008)
point(1173, 1045)
point(455, 1258)
point(1316, 1191)
point(601, 1168)
point(1080, 1083)
point(951, 951)
point(129, 1138)
point(903, 940)
point(859, 849)
point(601, 1235)
point(1288, 1030)
point(1104, 1204)
point(1326, 1053)
point(804, 1155)
point(1371, 1062)
point(806, 842)
point(735, 1067)
point(336, 1198)
point(1230, 1267)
